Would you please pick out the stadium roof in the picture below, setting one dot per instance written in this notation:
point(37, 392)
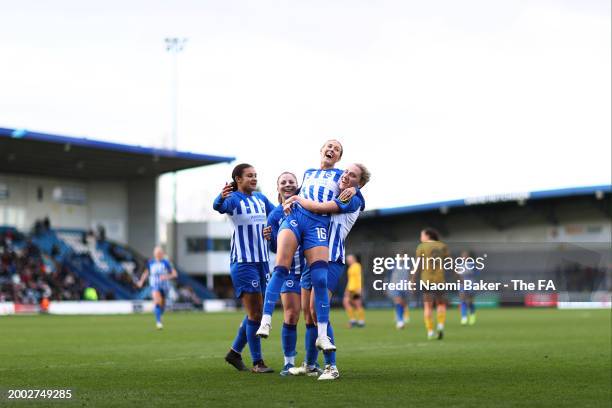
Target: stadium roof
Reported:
point(521, 198)
point(34, 153)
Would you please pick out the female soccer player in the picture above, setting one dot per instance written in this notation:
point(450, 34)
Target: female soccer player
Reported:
point(352, 295)
point(429, 249)
point(399, 298)
point(159, 271)
point(467, 307)
point(344, 215)
point(248, 211)
point(309, 230)
point(287, 186)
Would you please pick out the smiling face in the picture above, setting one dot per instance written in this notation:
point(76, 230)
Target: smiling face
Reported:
point(286, 185)
point(247, 182)
point(350, 177)
point(331, 153)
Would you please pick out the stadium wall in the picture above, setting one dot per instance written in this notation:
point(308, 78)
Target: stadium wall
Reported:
point(67, 203)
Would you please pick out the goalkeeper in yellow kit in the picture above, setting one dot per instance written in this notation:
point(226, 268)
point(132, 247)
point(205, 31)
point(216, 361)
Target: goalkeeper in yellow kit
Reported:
point(352, 301)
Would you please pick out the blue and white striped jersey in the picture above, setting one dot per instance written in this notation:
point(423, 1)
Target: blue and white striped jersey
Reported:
point(157, 269)
point(320, 186)
point(341, 224)
point(249, 214)
point(275, 219)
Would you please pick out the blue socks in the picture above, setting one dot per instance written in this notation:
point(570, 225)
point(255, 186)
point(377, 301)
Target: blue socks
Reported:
point(472, 308)
point(318, 272)
point(309, 342)
point(399, 312)
point(330, 358)
point(241, 337)
point(159, 311)
point(464, 309)
point(253, 341)
point(279, 275)
point(289, 339)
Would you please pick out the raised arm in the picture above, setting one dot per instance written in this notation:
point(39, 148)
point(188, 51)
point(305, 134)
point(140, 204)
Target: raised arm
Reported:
point(223, 203)
point(329, 207)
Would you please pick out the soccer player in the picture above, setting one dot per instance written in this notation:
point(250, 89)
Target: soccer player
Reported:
point(468, 309)
point(308, 230)
point(159, 271)
point(248, 210)
point(352, 294)
point(344, 216)
point(287, 186)
point(433, 251)
point(402, 313)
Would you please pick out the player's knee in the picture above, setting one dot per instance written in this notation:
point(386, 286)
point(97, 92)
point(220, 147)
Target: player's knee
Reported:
point(319, 281)
point(281, 271)
point(292, 316)
point(319, 274)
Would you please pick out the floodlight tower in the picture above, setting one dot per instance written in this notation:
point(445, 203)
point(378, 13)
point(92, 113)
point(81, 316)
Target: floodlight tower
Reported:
point(174, 45)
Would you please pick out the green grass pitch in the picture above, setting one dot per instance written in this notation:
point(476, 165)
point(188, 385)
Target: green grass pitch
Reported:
point(510, 358)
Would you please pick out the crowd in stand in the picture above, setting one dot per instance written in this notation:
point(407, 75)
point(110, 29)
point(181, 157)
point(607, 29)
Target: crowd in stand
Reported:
point(27, 276)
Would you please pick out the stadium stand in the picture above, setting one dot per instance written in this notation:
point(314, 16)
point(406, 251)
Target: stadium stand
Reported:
point(563, 235)
point(76, 183)
point(60, 264)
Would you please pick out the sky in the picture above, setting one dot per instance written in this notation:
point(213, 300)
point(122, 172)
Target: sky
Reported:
point(441, 100)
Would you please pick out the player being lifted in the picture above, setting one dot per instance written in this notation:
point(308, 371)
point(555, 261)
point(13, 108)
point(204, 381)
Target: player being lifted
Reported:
point(159, 271)
point(344, 215)
point(248, 210)
point(287, 186)
point(433, 251)
point(352, 294)
point(308, 230)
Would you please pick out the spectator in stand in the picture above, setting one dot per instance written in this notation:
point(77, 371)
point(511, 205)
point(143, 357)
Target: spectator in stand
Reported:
point(25, 278)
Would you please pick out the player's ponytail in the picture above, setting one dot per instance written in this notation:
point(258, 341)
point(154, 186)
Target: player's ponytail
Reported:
point(237, 172)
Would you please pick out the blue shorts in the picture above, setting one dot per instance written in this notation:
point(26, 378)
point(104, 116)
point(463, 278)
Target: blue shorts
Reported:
point(397, 294)
point(249, 277)
point(333, 277)
point(162, 289)
point(310, 232)
point(292, 284)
